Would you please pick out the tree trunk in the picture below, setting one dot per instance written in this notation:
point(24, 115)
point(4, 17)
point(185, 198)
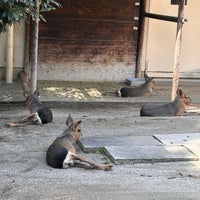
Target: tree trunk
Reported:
point(27, 52)
point(10, 47)
point(175, 80)
point(24, 83)
point(34, 49)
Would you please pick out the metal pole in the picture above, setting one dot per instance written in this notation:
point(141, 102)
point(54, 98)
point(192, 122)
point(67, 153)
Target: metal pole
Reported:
point(34, 48)
point(175, 80)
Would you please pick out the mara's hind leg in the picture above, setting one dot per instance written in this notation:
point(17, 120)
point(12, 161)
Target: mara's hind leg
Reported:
point(34, 118)
point(95, 166)
point(81, 165)
point(28, 120)
point(71, 158)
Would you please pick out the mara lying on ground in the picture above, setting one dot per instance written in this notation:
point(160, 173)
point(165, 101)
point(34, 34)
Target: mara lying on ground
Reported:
point(174, 108)
point(39, 113)
point(62, 153)
point(145, 89)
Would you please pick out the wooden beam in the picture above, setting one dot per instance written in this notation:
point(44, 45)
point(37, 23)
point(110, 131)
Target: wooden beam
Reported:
point(161, 17)
point(140, 39)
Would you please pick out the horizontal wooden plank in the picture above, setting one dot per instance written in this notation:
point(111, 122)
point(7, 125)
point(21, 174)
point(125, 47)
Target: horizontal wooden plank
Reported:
point(98, 9)
point(88, 30)
point(86, 51)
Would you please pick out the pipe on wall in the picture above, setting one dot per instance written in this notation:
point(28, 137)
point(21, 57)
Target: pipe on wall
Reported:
point(9, 54)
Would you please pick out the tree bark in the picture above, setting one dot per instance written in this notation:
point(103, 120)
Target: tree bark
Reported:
point(10, 47)
point(24, 82)
point(34, 49)
point(27, 52)
point(175, 80)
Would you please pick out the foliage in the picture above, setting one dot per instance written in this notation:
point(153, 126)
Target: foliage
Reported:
point(105, 159)
point(12, 11)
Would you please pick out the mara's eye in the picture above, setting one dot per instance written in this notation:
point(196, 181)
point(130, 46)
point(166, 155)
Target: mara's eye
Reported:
point(79, 130)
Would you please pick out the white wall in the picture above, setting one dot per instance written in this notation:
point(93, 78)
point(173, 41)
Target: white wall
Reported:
point(19, 42)
point(160, 44)
point(3, 49)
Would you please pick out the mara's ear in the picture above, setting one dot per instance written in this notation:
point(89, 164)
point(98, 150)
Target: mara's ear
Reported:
point(179, 92)
point(78, 126)
point(151, 79)
point(146, 76)
point(69, 120)
point(75, 127)
point(37, 93)
point(78, 123)
point(148, 79)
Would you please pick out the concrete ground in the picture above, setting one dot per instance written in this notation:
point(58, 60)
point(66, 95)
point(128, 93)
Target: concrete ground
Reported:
point(25, 175)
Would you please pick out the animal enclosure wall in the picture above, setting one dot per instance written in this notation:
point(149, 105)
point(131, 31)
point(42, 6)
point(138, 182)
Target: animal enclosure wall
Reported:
point(160, 40)
point(89, 40)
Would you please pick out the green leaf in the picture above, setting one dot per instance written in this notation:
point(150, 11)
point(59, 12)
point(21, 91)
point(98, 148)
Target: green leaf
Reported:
point(10, 16)
point(12, 11)
point(5, 12)
point(16, 16)
point(42, 18)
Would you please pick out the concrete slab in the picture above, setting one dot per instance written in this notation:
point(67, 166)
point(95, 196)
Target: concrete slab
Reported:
point(91, 144)
point(189, 140)
point(194, 148)
point(148, 154)
point(178, 139)
point(135, 81)
point(142, 149)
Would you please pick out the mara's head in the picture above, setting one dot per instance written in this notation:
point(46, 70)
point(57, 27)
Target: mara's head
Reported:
point(74, 127)
point(150, 81)
point(185, 99)
point(30, 97)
